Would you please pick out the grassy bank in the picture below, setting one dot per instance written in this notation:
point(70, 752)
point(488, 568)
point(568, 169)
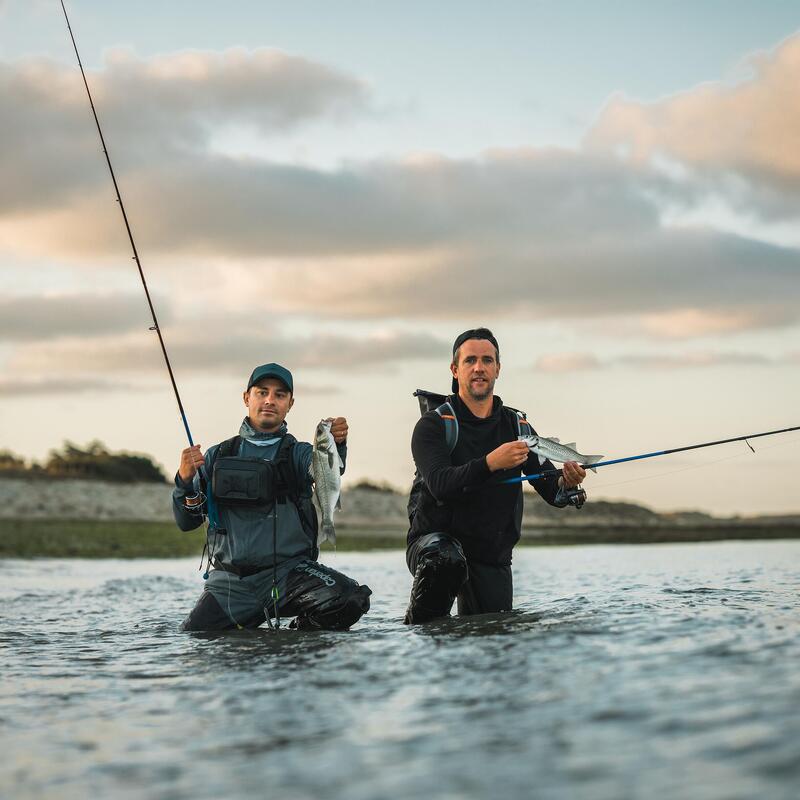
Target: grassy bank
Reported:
point(114, 539)
point(110, 539)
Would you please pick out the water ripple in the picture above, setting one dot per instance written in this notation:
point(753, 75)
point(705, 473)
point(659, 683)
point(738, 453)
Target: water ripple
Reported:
point(624, 672)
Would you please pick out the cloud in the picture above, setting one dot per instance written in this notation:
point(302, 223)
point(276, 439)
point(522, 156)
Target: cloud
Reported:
point(549, 234)
point(578, 362)
point(567, 362)
point(37, 318)
point(155, 111)
point(750, 128)
point(213, 347)
point(700, 279)
point(59, 386)
point(524, 233)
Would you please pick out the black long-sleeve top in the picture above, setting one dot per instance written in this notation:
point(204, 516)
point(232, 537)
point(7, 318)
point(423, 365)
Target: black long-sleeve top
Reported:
point(487, 518)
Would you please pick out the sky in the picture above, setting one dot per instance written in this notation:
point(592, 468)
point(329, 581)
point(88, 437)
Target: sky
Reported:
point(612, 188)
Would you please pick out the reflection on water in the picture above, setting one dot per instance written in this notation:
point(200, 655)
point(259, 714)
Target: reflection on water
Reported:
point(666, 671)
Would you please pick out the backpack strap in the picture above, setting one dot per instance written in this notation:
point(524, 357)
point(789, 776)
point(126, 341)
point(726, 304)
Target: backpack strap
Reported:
point(523, 427)
point(448, 415)
point(230, 447)
point(288, 485)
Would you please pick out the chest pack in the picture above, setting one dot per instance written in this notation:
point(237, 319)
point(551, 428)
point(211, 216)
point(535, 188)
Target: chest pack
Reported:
point(253, 482)
point(430, 401)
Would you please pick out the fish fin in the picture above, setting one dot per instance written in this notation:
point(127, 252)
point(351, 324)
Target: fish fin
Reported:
point(338, 503)
point(330, 459)
point(542, 459)
point(589, 460)
point(572, 445)
point(554, 439)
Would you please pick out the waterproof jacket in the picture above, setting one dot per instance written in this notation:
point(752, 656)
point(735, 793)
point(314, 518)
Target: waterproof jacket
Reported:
point(487, 519)
point(247, 543)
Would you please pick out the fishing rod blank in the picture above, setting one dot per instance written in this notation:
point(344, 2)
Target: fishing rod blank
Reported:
point(155, 327)
point(549, 472)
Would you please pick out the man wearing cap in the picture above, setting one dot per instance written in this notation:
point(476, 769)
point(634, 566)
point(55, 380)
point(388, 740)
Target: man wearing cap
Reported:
point(256, 490)
point(464, 521)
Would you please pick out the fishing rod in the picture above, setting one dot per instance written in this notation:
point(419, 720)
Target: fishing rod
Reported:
point(550, 472)
point(155, 326)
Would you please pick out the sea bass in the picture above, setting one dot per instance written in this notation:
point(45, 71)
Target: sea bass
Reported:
point(326, 469)
point(553, 449)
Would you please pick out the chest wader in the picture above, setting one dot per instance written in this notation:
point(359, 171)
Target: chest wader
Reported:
point(261, 485)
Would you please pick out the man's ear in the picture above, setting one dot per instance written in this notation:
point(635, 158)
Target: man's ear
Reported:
point(244, 396)
point(291, 403)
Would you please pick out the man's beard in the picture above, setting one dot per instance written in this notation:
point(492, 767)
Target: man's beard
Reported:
point(483, 394)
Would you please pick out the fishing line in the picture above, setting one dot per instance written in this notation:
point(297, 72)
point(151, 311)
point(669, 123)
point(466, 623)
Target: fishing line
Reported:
point(155, 327)
point(692, 466)
point(230, 613)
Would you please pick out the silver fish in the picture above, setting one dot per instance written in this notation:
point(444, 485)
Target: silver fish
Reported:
point(553, 449)
point(326, 470)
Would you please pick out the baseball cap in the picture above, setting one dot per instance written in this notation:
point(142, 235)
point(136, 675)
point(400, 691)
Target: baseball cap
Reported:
point(271, 371)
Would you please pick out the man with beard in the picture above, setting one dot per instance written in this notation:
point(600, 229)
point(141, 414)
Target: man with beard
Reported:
point(460, 542)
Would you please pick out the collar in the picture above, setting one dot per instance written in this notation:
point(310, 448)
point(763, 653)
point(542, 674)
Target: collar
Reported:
point(465, 415)
point(247, 431)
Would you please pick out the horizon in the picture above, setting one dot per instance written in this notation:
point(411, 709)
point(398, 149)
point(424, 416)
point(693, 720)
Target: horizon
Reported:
point(613, 191)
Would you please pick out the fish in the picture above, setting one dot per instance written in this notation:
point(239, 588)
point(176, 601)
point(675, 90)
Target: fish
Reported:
point(553, 449)
point(326, 470)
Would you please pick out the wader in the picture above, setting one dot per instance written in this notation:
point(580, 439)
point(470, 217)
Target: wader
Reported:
point(320, 598)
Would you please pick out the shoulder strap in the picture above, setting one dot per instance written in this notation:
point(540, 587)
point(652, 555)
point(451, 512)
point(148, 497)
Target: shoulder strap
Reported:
point(520, 420)
point(225, 449)
point(283, 462)
point(230, 447)
point(448, 415)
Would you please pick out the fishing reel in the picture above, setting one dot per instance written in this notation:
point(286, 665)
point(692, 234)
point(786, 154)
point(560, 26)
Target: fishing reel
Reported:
point(576, 497)
point(195, 504)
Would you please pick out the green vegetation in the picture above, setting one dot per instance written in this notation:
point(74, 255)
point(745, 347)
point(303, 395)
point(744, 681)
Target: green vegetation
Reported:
point(109, 539)
point(41, 538)
point(370, 486)
point(95, 462)
point(112, 539)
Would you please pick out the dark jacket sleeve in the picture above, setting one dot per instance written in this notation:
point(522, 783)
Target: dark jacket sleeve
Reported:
point(432, 459)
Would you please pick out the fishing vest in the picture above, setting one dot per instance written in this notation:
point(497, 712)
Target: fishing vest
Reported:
point(253, 482)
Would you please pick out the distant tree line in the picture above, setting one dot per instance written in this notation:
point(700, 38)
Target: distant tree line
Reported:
point(94, 462)
point(367, 485)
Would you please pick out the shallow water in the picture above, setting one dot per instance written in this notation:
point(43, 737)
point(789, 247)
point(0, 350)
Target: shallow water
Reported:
point(625, 672)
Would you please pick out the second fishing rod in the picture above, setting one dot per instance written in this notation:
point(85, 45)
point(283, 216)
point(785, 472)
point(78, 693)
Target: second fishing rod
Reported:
point(551, 472)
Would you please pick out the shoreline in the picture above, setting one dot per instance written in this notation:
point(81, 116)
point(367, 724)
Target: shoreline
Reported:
point(96, 519)
point(47, 538)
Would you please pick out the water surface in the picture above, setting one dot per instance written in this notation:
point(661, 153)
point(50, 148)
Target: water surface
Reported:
point(624, 672)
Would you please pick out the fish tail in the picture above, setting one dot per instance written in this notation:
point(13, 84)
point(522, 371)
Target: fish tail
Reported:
point(592, 460)
point(327, 533)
